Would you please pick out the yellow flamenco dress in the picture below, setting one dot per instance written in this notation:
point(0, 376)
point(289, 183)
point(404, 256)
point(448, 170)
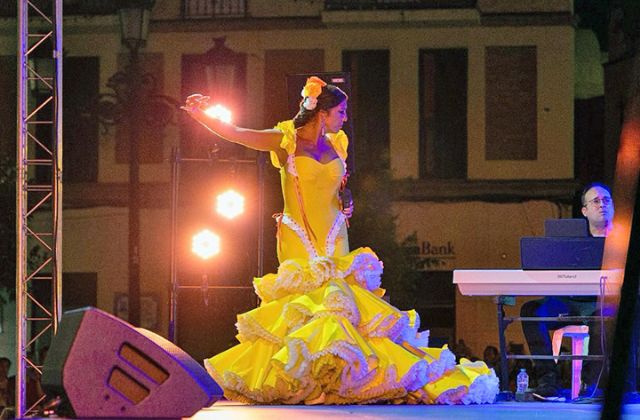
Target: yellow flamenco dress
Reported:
point(322, 334)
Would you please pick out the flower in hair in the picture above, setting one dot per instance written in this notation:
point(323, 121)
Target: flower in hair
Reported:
point(311, 91)
point(309, 103)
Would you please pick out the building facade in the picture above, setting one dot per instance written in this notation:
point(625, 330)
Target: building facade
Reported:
point(469, 104)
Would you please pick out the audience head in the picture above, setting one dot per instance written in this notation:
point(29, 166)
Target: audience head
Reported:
point(5, 364)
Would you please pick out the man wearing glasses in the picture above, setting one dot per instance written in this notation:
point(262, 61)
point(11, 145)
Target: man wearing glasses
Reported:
point(597, 208)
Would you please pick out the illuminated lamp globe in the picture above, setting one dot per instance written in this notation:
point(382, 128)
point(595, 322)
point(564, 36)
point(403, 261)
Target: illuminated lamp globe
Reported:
point(230, 204)
point(205, 244)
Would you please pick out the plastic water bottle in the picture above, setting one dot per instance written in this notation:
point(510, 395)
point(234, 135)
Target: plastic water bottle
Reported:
point(522, 383)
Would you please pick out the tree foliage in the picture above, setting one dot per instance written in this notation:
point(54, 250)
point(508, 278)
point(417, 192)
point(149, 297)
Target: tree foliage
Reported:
point(374, 225)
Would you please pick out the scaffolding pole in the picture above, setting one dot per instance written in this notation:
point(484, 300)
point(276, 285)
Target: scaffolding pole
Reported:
point(39, 145)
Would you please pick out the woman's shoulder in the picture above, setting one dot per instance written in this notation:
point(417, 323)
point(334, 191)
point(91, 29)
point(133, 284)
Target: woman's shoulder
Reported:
point(286, 127)
point(288, 142)
point(340, 143)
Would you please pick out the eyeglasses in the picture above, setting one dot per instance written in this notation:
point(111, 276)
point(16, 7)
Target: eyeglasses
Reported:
point(597, 201)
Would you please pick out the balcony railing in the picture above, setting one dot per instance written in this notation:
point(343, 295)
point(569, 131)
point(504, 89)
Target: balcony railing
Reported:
point(202, 9)
point(397, 4)
point(9, 8)
point(192, 9)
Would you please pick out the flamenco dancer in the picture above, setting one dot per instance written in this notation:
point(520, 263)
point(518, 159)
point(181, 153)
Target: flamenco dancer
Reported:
point(323, 334)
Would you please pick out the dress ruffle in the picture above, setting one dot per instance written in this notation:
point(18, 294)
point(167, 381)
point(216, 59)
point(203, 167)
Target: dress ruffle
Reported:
point(322, 334)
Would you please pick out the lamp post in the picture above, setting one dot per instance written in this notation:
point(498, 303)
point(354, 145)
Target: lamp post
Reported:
point(135, 102)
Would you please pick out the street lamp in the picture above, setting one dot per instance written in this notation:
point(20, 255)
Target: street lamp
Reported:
point(134, 22)
point(134, 103)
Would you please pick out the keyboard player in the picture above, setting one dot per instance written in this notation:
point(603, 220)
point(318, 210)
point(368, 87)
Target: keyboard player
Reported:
point(598, 209)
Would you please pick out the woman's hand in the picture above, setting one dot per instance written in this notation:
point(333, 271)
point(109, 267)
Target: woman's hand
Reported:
point(196, 106)
point(346, 202)
point(196, 103)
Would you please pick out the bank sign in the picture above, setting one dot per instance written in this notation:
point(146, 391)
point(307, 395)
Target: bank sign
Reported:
point(436, 256)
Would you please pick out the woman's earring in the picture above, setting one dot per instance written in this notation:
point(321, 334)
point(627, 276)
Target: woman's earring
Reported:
point(322, 131)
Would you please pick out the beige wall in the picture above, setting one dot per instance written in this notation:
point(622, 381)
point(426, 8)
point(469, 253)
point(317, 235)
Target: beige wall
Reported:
point(95, 240)
point(483, 236)
point(555, 48)
point(555, 87)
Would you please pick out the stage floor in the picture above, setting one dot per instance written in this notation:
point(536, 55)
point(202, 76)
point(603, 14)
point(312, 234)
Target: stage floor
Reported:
point(224, 410)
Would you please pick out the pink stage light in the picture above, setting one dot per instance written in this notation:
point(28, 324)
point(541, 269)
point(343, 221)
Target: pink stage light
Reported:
point(219, 112)
point(230, 204)
point(205, 244)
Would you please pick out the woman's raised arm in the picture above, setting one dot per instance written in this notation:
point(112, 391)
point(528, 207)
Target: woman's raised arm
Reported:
point(263, 140)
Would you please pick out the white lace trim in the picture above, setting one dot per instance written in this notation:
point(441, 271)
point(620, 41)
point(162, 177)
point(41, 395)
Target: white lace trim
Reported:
point(298, 385)
point(351, 375)
point(302, 234)
point(438, 367)
point(343, 304)
point(452, 396)
point(336, 303)
point(391, 387)
point(291, 165)
point(390, 327)
point(483, 390)
point(296, 276)
point(367, 271)
point(411, 335)
point(249, 330)
point(330, 243)
point(357, 367)
point(236, 389)
point(322, 268)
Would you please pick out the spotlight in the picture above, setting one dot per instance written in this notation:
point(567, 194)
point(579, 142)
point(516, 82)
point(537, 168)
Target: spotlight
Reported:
point(205, 244)
point(219, 112)
point(230, 204)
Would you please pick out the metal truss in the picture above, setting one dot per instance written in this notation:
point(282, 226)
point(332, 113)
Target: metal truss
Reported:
point(39, 145)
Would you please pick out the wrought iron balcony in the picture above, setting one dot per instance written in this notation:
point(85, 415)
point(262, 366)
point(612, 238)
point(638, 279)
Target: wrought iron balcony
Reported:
point(9, 8)
point(202, 9)
point(397, 4)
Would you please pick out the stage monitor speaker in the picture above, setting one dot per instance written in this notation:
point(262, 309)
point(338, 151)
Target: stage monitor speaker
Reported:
point(105, 367)
point(295, 83)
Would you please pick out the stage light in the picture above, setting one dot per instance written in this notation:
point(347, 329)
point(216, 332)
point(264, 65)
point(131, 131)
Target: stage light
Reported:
point(219, 112)
point(229, 204)
point(205, 244)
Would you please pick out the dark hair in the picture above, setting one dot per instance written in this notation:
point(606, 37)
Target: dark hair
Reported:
point(329, 97)
point(593, 185)
point(5, 359)
point(491, 348)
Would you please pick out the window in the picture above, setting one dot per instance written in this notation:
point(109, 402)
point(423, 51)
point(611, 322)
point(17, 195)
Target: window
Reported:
point(80, 129)
point(511, 103)
point(443, 113)
point(369, 103)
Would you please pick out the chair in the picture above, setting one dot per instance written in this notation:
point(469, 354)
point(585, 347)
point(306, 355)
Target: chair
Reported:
point(579, 335)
